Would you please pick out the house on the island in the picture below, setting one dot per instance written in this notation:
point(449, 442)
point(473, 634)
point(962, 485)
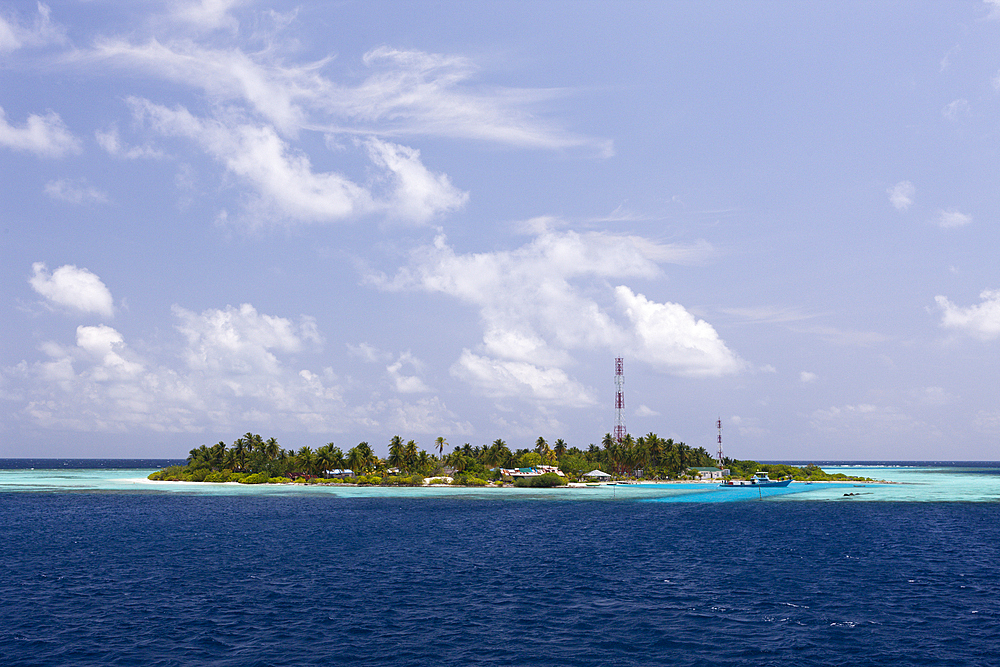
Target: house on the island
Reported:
point(339, 472)
point(518, 473)
point(709, 473)
point(597, 476)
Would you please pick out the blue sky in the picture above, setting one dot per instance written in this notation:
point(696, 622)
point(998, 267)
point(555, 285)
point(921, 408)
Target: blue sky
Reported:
point(335, 222)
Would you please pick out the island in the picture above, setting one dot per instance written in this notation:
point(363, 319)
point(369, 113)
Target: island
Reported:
point(253, 460)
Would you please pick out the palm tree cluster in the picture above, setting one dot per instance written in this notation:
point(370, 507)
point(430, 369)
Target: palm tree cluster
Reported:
point(655, 456)
point(252, 454)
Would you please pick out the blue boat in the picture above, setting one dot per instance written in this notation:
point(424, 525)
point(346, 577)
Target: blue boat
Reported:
point(760, 479)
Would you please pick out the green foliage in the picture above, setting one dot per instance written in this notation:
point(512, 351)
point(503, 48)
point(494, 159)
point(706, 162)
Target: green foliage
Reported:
point(530, 459)
point(279, 480)
point(217, 477)
point(544, 481)
point(256, 478)
point(468, 480)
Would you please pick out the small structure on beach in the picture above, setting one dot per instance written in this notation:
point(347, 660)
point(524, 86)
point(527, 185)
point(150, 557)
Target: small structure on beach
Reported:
point(536, 471)
point(709, 473)
point(597, 475)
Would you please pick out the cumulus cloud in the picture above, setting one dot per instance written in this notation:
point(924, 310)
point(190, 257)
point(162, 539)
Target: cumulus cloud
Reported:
point(406, 384)
point(46, 135)
point(952, 218)
point(75, 192)
point(230, 369)
point(74, 288)
point(541, 302)
point(284, 180)
point(901, 195)
point(806, 377)
point(241, 340)
point(670, 337)
point(980, 321)
point(646, 411)
point(501, 378)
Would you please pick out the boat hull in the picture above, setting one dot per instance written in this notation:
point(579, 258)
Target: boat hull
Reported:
point(757, 485)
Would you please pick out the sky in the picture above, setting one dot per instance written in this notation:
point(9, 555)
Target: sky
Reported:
point(344, 221)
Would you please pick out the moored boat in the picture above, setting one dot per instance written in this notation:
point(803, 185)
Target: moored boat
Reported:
point(760, 479)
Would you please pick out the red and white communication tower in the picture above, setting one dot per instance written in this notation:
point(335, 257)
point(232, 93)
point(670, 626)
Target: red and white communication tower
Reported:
point(718, 423)
point(619, 400)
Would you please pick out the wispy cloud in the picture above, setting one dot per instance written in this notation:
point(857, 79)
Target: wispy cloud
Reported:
point(952, 218)
point(953, 110)
point(75, 192)
point(288, 188)
point(15, 35)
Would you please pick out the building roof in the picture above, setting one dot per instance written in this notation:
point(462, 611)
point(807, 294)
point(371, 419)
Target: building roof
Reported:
point(597, 473)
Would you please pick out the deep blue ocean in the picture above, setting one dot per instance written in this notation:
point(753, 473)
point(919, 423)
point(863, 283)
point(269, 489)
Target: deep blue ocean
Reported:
point(172, 579)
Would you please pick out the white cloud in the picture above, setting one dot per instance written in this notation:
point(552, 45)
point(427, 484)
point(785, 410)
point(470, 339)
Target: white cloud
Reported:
point(406, 384)
point(806, 377)
point(869, 423)
point(240, 341)
point(953, 110)
point(501, 378)
point(46, 135)
point(994, 6)
point(427, 415)
point(14, 35)
point(285, 183)
point(646, 411)
point(75, 192)
point(901, 195)
point(540, 302)
point(74, 288)
point(207, 15)
point(409, 93)
point(110, 142)
point(980, 321)
point(668, 336)
point(952, 218)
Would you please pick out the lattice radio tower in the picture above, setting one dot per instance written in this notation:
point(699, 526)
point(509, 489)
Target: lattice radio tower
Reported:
point(718, 423)
point(619, 400)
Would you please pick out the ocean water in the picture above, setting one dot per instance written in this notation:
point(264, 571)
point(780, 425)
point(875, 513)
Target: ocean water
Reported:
point(102, 568)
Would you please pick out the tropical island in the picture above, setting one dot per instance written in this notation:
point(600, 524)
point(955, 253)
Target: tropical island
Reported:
point(253, 460)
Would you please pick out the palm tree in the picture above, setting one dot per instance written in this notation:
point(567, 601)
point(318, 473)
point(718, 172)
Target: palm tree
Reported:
point(560, 448)
point(271, 449)
point(410, 454)
point(355, 460)
point(440, 442)
point(305, 459)
point(397, 453)
point(240, 451)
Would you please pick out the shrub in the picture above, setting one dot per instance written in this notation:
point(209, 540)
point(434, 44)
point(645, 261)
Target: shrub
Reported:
point(216, 477)
point(546, 480)
point(256, 478)
point(374, 480)
point(279, 480)
point(237, 477)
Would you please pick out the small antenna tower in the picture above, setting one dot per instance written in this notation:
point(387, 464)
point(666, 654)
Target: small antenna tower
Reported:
point(619, 400)
point(718, 423)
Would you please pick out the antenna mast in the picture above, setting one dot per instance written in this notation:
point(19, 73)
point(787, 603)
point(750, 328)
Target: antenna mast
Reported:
point(619, 400)
point(718, 423)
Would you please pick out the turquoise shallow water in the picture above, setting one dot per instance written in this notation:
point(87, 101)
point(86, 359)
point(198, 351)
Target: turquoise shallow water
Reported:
point(925, 483)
